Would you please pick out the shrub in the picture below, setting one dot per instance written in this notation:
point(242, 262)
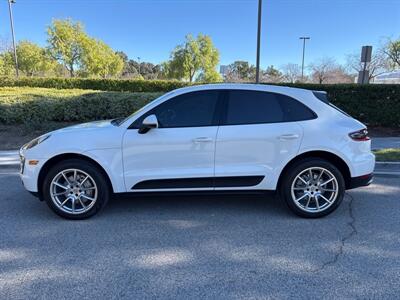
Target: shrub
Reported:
point(93, 84)
point(375, 105)
point(36, 105)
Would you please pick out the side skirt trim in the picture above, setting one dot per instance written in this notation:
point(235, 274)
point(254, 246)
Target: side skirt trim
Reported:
point(135, 195)
point(202, 182)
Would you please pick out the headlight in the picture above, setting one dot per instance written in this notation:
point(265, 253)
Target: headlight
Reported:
point(36, 141)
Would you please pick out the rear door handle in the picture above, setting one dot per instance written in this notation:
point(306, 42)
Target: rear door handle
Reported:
point(286, 137)
point(202, 140)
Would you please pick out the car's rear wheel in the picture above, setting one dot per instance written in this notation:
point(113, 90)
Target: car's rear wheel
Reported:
point(75, 189)
point(313, 188)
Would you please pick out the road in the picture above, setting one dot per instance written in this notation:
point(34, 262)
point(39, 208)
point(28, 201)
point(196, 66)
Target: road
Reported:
point(236, 247)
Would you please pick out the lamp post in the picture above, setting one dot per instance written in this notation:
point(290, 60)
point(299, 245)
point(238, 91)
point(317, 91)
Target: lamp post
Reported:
point(304, 38)
point(13, 35)
point(258, 42)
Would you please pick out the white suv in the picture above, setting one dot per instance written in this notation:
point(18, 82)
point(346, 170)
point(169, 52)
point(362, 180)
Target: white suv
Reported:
point(210, 138)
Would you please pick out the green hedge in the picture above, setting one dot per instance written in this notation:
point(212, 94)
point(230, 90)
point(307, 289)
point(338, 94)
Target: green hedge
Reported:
point(375, 105)
point(33, 106)
point(93, 84)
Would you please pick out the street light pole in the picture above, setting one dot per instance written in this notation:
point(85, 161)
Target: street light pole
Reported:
point(13, 35)
point(258, 41)
point(304, 38)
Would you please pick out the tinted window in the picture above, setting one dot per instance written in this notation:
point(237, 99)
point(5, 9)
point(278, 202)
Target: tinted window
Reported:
point(188, 110)
point(254, 107)
point(294, 110)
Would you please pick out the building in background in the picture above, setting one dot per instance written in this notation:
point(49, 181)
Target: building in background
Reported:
point(388, 78)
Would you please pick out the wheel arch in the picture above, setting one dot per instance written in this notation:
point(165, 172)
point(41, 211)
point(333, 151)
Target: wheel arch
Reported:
point(334, 159)
point(56, 159)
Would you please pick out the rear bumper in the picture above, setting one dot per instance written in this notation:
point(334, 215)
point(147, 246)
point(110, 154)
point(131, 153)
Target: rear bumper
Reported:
point(358, 181)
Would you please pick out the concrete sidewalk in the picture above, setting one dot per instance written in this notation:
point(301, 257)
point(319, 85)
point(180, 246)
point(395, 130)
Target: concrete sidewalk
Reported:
point(9, 161)
point(385, 142)
point(8, 158)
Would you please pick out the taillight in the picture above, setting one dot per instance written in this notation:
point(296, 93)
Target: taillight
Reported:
point(360, 135)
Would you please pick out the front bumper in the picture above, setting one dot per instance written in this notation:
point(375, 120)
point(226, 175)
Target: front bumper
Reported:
point(29, 174)
point(358, 181)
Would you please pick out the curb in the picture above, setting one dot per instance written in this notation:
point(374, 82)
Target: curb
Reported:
point(396, 163)
point(8, 152)
point(10, 160)
point(386, 174)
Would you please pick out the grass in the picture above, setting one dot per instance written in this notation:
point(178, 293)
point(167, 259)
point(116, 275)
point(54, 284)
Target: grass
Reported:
point(389, 154)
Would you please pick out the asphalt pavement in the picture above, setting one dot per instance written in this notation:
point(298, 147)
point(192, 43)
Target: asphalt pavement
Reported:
point(231, 247)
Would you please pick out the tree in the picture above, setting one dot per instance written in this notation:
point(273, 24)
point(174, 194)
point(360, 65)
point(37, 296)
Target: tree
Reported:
point(123, 56)
point(209, 59)
point(291, 72)
point(129, 70)
point(339, 75)
point(32, 59)
point(272, 75)
point(240, 71)
point(165, 70)
point(2, 65)
point(392, 51)
point(7, 66)
point(322, 69)
point(132, 68)
point(326, 70)
point(378, 64)
point(98, 59)
point(195, 58)
point(65, 39)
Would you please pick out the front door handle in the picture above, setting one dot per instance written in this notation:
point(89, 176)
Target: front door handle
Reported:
point(286, 137)
point(202, 140)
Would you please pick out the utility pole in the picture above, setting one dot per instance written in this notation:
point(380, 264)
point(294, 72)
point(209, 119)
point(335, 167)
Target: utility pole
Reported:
point(13, 35)
point(304, 38)
point(258, 41)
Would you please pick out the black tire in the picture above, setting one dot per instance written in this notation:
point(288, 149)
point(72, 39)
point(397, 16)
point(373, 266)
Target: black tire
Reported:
point(103, 189)
point(300, 166)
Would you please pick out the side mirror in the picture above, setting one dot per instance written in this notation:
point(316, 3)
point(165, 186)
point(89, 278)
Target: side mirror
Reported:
point(148, 123)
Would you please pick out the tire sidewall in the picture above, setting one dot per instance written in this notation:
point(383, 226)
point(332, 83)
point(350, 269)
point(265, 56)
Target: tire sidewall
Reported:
point(89, 168)
point(297, 169)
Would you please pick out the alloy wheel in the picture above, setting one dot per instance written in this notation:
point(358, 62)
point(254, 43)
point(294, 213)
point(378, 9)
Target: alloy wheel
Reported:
point(73, 191)
point(314, 189)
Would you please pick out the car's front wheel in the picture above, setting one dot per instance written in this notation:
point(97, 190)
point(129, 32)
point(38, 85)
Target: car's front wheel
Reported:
point(313, 188)
point(75, 189)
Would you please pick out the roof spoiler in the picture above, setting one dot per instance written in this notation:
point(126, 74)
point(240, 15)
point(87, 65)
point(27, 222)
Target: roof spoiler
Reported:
point(321, 95)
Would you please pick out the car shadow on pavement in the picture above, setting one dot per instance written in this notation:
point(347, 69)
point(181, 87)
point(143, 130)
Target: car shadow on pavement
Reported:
point(268, 204)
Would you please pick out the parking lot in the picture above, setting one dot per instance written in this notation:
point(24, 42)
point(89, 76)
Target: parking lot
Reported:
point(247, 247)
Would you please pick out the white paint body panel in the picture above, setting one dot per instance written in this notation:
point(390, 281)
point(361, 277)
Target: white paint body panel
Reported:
point(256, 149)
point(128, 157)
point(169, 153)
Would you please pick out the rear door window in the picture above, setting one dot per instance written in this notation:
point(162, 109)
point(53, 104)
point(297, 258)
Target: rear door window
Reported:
point(258, 107)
